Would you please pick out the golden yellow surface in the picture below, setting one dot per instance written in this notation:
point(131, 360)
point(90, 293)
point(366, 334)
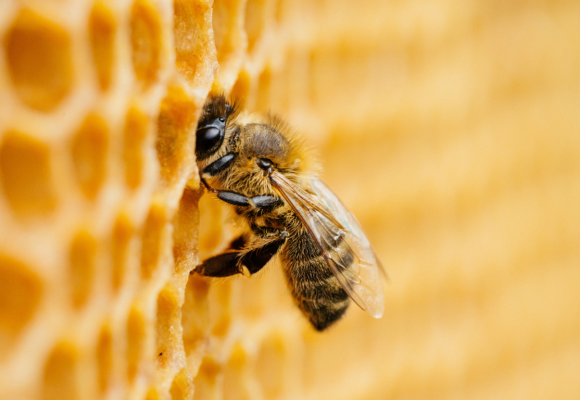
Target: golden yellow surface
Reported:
point(450, 128)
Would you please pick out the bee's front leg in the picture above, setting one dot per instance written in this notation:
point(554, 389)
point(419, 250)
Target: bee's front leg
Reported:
point(218, 166)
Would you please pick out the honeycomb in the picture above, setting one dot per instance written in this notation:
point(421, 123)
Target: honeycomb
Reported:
point(449, 127)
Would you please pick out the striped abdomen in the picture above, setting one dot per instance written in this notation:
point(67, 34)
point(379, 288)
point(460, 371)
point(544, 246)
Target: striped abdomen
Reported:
point(314, 287)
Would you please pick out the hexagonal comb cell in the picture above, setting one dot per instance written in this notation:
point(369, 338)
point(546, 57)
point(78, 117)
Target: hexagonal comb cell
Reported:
point(20, 293)
point(102, 29)
point(153, 394)
point(26, 175)
point(195, 60)
point(38, 54)
point(194, 314)
point(175, 134)
point(263, 92)
point(152, 240)
point(206, 380)
point(89, 152)
point(136, 130)
point(241, 88)
point(270, 368)
point(82, 267)
point(137, 338)
point(145, 41)
point(168, 322)
point(105, 358)
point(60, 373)
point(228, 33)
point(185, 234)
point(234, 384)
point(254, 22)
point(182, 386)
point(121, 238)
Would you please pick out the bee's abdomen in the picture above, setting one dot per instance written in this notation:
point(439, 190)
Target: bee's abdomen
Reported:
point(314, 287)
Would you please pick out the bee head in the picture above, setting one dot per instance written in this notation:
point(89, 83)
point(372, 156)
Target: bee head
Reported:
point(211, 129)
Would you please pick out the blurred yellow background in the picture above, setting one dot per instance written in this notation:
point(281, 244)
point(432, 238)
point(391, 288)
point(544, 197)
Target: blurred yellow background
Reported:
point(451, 129)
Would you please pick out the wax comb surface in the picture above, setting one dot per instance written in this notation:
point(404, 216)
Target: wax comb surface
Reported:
point(450, 129)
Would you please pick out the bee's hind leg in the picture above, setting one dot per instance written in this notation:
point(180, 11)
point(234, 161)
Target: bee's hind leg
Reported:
point(224, 264)
point(255, 259)
point(220, 266)
point(238, 243)
point(235, 261)
point(239, 262)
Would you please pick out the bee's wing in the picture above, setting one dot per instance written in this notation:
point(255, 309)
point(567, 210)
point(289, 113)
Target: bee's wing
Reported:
point(348, 221)
point(328, 221)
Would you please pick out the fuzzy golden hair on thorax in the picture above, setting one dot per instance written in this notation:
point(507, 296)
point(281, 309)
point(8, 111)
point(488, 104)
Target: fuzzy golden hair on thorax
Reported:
point(270, 136)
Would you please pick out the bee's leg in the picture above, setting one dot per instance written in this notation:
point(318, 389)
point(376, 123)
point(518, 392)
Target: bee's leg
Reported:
point(218, 165)
point(267, 201)
point(256, 259)
point(238, 243)
point(233, 198)
point(222, 265)
point(236, 262)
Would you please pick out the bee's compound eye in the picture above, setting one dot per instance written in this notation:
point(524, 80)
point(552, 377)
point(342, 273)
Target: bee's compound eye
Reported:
point(207, 138)
point(222, 119)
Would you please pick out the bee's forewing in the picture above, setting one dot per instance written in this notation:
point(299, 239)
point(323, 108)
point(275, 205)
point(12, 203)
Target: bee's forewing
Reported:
point(370, 288)
point(327, 220)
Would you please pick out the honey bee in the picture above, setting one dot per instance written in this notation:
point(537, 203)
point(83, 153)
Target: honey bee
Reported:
point(257, 165)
